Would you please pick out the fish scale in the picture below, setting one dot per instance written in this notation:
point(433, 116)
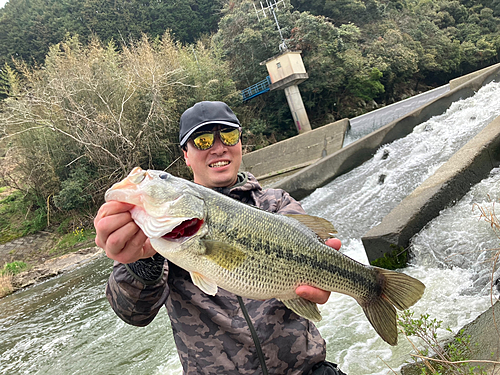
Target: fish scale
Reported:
point(294, 257)
point(257, 254)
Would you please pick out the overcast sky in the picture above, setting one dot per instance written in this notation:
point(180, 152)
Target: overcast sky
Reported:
point(2, 3)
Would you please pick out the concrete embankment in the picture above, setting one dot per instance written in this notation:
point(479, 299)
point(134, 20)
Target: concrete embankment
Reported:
point(296, 152)
point(302, 183)
point(468, 166)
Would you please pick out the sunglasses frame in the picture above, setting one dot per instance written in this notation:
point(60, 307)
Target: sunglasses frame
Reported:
point(218, 131)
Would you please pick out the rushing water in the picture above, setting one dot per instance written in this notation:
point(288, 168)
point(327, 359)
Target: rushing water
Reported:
point(371, 121)
point(65, 325)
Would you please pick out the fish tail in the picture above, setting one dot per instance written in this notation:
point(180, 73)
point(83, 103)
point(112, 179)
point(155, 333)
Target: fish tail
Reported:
point(397, 290)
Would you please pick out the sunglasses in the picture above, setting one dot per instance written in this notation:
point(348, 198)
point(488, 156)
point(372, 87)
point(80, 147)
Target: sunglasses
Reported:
point(205, 140)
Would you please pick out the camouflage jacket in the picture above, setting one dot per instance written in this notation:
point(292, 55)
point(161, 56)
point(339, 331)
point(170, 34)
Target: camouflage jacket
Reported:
point(211, 333)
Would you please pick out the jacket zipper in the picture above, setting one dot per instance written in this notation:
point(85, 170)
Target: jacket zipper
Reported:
point(255, 338)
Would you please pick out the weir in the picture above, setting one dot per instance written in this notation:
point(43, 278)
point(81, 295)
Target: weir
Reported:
point(454, 179)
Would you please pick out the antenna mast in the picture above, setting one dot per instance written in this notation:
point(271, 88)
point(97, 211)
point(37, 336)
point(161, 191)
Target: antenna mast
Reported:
point(270, 6)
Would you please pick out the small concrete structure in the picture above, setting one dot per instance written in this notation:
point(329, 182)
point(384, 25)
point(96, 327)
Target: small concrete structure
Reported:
point(286, 71)
point(468, 166)
point(295, 152)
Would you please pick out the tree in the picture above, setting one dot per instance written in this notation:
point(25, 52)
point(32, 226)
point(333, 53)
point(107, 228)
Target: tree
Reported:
point(93, 113)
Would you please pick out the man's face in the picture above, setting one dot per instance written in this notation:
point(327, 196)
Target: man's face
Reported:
point(216, 167)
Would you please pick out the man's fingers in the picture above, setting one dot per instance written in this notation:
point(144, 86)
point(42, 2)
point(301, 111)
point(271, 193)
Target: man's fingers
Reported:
point(129, 251)
point(333, 242)
point(120, 225)
point(148, 249)
point(122, 237)
point(313, 294)
point(112, 208)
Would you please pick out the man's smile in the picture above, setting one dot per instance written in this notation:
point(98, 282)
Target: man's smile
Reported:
point(219, 164)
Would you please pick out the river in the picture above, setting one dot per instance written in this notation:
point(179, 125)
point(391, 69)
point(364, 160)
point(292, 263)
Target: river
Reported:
point(65, 325)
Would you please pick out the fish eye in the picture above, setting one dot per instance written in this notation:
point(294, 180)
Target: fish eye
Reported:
point(163, 176)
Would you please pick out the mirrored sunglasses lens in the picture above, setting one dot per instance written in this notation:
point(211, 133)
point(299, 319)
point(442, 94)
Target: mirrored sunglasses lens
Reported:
point(230, 137)
point(204, 141)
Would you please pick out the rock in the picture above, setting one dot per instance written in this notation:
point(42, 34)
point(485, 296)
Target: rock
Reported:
point(54, 267)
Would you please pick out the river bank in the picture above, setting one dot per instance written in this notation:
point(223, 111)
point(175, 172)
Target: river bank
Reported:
point(48, 268)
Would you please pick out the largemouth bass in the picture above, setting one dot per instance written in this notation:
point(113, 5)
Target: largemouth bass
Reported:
point(257, 254)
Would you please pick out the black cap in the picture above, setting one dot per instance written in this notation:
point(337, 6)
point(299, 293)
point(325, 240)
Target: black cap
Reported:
point(205, 113)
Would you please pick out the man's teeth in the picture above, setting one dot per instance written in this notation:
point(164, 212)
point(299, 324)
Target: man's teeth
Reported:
point(219, 164)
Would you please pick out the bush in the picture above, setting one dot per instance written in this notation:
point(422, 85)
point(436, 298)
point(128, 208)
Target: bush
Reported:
point(92, 114)
point(449, 356)
point(72, 194)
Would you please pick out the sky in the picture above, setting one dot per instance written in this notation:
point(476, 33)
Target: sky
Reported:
point(2, 3)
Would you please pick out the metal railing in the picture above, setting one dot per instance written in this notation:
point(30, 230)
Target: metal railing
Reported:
point(257, 89)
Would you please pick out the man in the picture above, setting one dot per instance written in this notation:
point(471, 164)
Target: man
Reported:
point(222, 334)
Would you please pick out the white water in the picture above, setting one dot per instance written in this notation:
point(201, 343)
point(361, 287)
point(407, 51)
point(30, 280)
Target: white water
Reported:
point(450, 252)
point(65, 325)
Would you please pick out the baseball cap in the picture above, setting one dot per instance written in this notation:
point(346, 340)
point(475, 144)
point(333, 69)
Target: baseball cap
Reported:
point(205, 113)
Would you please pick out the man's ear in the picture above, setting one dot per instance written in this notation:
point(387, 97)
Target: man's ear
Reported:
point(186, 157)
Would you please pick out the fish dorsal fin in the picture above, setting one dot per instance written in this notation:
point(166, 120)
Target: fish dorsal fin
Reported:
point(223, 254)
point(207, 286)
point(303, 307)
point(322, 227)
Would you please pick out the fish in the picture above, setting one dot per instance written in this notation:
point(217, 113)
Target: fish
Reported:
point(252, 253)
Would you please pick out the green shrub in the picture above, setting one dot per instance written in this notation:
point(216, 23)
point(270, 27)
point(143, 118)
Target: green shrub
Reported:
point(447, 354)
point(13, 268)
point(20, 214)
point(73, 191)
point(393, 260)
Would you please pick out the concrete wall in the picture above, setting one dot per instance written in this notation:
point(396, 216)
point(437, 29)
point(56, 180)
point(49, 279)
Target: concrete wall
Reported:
point(295, 152)
point(454, 83)
point(468, 166)
point(302, 183)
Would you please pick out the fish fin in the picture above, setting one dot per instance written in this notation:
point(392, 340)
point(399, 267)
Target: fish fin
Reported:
point(224, 255)
point(401, 290)
point(207, 286)
point(304, 308)
point(398, 290)
point(322, 227)
point(382, 316)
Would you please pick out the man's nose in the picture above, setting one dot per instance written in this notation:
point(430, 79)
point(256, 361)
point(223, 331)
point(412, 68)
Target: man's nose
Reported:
point(218, 145)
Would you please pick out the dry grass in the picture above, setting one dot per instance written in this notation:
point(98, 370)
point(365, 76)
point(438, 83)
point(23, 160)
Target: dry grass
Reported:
point(5, 285)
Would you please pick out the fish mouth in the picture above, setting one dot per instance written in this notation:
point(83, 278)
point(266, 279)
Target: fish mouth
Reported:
point(187, 228)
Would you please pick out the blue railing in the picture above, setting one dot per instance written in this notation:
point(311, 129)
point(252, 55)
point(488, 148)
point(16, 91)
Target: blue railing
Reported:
point(257, 89)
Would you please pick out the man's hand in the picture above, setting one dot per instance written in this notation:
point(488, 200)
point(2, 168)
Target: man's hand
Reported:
point(119, 235)
point(314, 294)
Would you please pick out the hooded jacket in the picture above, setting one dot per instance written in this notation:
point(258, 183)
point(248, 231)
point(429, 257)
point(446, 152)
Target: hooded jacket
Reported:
point(221, 334)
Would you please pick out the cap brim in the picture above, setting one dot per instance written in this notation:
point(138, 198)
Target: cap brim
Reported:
point(188, 134)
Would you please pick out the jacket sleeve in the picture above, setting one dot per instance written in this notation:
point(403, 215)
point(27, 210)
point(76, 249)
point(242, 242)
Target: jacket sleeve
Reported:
point(277, 201)
point(136, 296)
point(288, 205)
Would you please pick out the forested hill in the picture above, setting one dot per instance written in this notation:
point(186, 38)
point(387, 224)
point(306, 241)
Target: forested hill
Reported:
point(28, 27)
point(407, 41)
